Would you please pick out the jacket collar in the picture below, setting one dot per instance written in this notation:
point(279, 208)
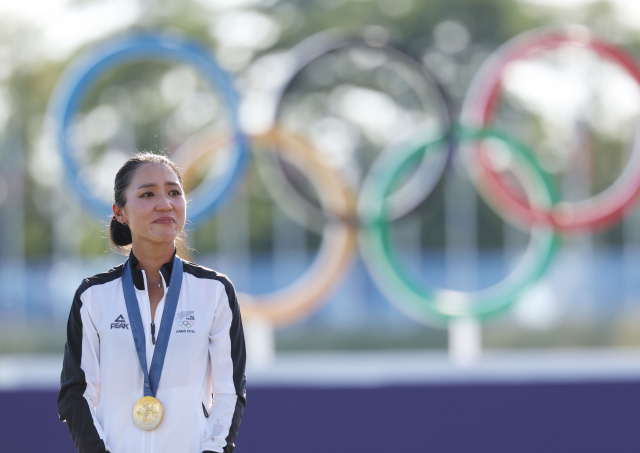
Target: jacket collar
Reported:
point(138, 278)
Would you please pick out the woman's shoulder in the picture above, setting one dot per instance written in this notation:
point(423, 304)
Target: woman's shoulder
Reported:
point(100, 279)
point(202, 272)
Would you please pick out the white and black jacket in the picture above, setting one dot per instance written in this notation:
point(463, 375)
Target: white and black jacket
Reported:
point(202, 387)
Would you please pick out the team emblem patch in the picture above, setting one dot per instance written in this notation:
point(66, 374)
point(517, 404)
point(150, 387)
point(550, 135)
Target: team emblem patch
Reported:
point(185, 321)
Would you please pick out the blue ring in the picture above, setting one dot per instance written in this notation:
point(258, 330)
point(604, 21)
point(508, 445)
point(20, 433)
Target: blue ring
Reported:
point(86, 69)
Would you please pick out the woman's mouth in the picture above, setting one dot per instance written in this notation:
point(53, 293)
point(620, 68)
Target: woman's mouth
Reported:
point(165, 220)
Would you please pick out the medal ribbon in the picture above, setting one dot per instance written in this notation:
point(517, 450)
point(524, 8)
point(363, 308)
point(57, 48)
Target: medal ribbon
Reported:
point(152, 377)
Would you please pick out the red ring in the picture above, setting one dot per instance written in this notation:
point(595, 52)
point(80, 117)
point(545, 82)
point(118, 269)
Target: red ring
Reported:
point(480, 107)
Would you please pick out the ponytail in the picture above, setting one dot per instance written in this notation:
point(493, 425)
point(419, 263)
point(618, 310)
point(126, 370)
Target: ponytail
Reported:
point(120, 233)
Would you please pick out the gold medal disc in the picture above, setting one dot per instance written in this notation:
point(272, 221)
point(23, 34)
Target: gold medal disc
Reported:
point(147, 413)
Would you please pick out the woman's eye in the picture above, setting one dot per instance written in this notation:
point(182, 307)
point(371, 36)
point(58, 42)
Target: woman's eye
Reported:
point(175, 192)
point(147, 194)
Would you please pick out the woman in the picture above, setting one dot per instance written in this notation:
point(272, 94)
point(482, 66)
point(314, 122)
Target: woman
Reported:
point(155, 355)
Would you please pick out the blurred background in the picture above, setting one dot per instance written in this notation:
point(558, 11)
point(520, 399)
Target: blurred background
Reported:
point(577, 111)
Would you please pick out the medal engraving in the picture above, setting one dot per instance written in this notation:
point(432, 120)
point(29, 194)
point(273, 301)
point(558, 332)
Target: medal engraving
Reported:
point(147, 413)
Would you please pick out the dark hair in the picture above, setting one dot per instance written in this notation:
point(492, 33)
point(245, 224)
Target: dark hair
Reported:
point(120, 233)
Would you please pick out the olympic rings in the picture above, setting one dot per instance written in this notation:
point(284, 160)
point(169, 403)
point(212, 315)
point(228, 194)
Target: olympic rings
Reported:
point(479, 108)
point(185, 323)
point(426, 176)
point(379, 202)
point(428, 304)
point(86, 70)
point(339, 238)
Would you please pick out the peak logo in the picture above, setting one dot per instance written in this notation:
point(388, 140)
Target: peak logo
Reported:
point(120, 323)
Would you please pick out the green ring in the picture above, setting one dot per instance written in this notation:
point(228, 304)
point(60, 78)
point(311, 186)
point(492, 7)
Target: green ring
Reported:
point(435, 304)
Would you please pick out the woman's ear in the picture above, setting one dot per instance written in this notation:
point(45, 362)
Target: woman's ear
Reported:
point(118, 213)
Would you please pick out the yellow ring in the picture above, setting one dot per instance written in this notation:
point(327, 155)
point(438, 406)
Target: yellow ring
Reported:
point(339, 242)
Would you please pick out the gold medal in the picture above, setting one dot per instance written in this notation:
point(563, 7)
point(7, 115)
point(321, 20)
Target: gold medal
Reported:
point(147, 413)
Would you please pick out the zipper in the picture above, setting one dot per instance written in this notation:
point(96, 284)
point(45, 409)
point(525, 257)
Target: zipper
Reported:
point(153, 324)
point(146, 435)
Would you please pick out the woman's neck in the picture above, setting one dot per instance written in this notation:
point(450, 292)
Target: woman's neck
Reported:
point(151, 256)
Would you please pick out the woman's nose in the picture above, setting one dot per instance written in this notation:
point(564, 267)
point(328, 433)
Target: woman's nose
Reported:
point(164, 203)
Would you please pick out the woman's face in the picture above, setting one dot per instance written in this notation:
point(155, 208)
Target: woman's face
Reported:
point(155, 207)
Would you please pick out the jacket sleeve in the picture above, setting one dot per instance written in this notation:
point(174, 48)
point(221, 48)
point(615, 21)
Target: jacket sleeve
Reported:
point(80, 380)
point(228, 361)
